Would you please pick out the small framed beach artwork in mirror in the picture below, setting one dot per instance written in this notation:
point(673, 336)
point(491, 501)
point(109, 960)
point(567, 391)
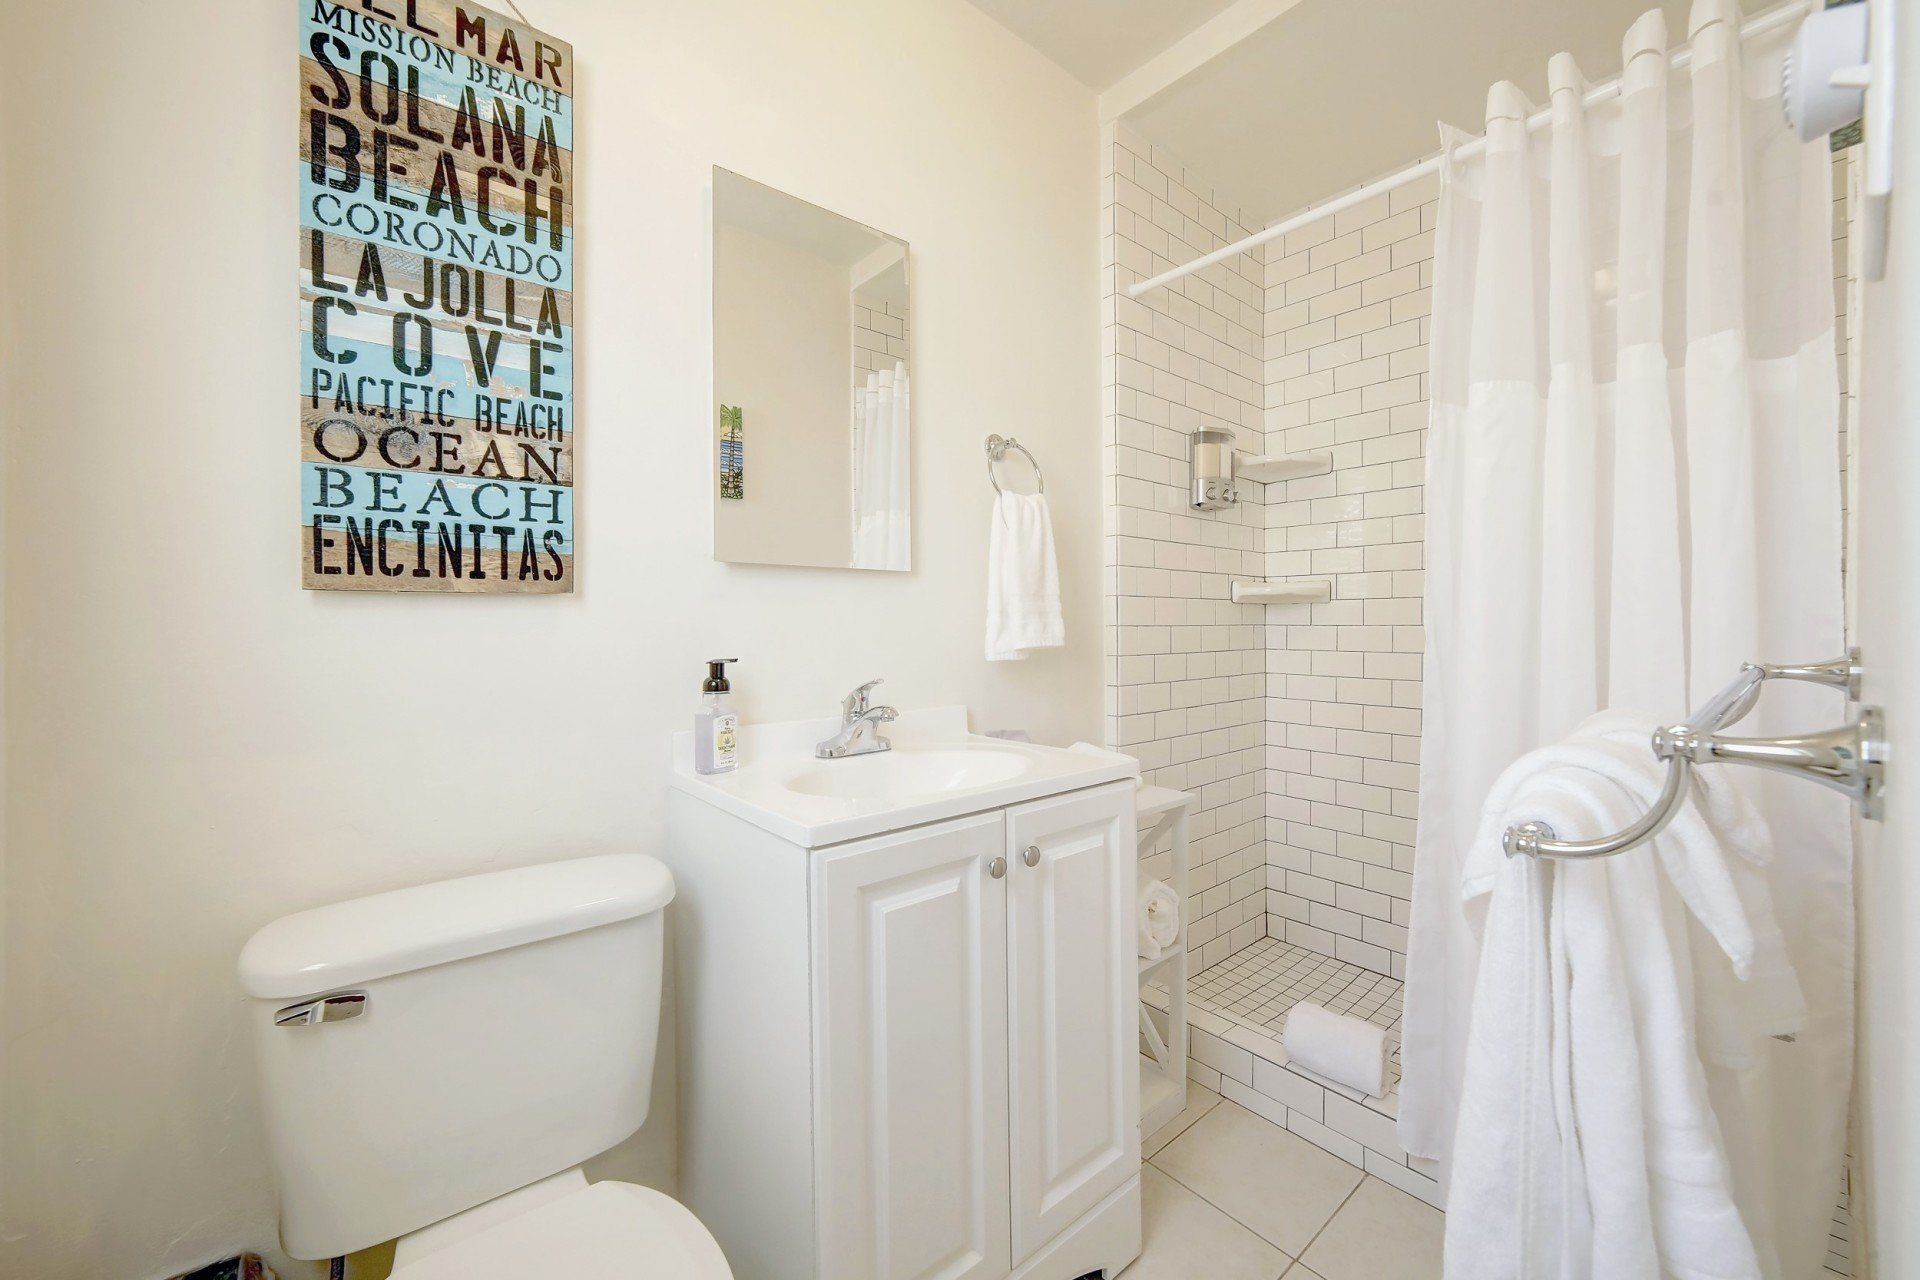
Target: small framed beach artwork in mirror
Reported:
point(812, 416)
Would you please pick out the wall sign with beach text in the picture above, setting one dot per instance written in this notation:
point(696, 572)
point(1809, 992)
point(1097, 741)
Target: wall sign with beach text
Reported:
point(436, 299)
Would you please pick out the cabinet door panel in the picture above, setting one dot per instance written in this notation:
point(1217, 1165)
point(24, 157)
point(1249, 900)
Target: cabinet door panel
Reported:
point(1071, 981)
point(911, 1057)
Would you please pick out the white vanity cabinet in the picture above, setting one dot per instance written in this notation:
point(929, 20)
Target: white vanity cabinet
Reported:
point(912, 1056)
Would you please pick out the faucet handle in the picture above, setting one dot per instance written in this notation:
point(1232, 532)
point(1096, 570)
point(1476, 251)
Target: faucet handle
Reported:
point(856, 702)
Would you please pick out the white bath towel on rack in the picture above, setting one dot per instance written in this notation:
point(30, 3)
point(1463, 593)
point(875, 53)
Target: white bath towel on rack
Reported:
point(1736, 1015)
point(1587, 1146)
point(1023, 579)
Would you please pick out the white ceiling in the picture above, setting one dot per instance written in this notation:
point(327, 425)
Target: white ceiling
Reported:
point(1331, 93)
point(1335, 92)
point(1099, 41)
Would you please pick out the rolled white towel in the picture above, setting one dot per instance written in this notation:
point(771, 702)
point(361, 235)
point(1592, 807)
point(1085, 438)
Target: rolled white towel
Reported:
point(1159, 919)
point(1346, 1050)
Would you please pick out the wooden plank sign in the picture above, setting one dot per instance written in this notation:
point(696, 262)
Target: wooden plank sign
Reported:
point(436, 299)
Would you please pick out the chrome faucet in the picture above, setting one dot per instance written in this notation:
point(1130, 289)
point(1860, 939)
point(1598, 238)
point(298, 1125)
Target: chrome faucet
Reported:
point(859, 727)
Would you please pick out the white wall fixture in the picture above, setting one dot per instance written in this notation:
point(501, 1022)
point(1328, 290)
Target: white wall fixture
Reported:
point(1210, 456)
point(908, 996)
point(1841, 69)
point(1309, 591)
point(1268, 468)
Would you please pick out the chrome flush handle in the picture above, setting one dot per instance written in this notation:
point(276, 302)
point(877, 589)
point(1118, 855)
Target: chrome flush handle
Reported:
point(337, 1007)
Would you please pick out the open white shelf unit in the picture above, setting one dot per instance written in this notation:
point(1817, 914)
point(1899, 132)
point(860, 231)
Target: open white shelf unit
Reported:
point(1265, 468)
point(1303, 591)
point(1163, 1067)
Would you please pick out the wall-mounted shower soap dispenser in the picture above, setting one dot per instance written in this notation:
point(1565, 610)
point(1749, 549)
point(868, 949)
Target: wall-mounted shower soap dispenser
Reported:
point(1210, 450)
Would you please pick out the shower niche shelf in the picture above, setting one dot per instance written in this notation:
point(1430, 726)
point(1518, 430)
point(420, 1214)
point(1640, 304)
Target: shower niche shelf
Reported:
point(1306, 591)
point(1266, 468)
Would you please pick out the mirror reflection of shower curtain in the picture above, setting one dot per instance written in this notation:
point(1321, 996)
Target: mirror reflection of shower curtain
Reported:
point(1632, 488)
point(882, 521)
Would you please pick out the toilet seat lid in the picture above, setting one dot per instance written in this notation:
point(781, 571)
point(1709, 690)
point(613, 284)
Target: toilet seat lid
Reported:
point(606, 1231)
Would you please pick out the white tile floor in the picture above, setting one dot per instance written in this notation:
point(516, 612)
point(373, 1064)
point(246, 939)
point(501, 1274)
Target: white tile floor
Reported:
point(1229, 1196)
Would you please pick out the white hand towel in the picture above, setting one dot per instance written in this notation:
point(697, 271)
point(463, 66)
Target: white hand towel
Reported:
point(1159, 919)
point(1346, 1050)
point(1023, 579)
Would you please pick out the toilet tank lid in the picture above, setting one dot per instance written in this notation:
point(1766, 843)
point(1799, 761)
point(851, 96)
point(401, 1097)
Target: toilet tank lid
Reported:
point(408, 929)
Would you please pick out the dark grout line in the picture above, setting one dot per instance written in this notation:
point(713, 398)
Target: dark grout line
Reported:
point(1175, 1179)
point(1364, 1175)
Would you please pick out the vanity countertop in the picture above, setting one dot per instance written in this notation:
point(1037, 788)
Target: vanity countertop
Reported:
point(936, 770)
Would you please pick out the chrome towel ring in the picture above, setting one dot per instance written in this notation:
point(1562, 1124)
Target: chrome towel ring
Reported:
point(997, 447)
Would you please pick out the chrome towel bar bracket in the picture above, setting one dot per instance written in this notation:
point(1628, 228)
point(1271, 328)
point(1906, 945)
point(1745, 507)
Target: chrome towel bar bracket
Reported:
point(997, 446)
point(1850, 759)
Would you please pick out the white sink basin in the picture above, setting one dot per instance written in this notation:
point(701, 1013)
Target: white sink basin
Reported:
point(936, 770)
point(906, 772)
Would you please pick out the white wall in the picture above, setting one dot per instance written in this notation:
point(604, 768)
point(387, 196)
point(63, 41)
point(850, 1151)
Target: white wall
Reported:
point(197, 746)
point(1887, 885)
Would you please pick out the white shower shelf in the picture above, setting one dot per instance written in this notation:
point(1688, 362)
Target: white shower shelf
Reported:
point(1307, 591)
point(1265, 468)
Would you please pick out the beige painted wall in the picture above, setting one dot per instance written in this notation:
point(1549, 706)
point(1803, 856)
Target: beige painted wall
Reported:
point(196, 746)
point(783, 352)
point(1887, 866)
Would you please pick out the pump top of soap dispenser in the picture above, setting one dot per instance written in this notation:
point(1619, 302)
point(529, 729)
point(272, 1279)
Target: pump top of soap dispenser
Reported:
point(716, 681)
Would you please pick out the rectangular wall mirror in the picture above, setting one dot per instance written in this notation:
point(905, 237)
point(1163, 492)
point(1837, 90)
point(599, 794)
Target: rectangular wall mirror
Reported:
point(812, 420)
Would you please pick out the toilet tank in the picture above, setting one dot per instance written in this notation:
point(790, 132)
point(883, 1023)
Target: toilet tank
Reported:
point(506, 1032)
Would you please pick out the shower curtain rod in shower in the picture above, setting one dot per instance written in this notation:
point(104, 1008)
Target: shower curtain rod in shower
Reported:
point(1772, 20)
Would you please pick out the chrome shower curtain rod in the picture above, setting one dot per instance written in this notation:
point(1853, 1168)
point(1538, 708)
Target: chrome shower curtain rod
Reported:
point(1772, 20)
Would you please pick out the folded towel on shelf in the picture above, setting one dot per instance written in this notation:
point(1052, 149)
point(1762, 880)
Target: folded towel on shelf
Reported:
point(1023, 579)
point(1159, 919)
point(1346, 1050)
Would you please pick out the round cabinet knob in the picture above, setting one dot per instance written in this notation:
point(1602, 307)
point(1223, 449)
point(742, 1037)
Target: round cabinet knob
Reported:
point(1032, 855)
point(997, 868)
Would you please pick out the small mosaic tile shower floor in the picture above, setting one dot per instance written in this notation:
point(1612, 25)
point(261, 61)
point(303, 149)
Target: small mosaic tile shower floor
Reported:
point(1258, 984)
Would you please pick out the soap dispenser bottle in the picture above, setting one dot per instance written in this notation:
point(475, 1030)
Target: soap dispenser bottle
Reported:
point(716, 726)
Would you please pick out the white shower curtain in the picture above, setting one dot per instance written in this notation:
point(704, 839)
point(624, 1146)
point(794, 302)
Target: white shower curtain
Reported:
point(1632, 488)
point(882, 524)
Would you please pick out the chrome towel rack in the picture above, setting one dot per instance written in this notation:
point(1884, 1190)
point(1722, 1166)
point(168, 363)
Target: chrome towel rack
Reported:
point(997, 447)
point(1851, 759)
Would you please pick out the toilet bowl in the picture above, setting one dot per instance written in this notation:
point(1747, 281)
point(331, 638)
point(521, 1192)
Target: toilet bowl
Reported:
point(583, 1231)
point(436, 1063)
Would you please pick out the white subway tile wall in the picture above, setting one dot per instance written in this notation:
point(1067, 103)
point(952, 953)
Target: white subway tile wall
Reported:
point(880, 335)
point(1185, 667)
point(1348, 307)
